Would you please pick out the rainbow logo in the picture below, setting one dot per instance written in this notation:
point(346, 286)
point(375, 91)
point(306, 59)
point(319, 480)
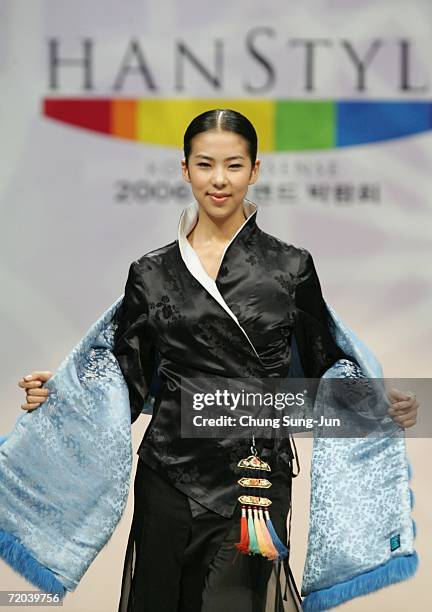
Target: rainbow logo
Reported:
point(282, 125)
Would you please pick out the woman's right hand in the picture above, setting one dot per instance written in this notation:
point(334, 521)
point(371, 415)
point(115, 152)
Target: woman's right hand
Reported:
point(35, 396)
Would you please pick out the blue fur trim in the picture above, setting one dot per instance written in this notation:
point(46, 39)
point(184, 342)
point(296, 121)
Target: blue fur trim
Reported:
point(19, 558)
point(412, 498)
point(3, 439)
point(395, 570)
point(410, 472)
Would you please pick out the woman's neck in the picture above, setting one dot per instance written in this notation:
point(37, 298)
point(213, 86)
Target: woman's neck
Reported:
point(211, 230)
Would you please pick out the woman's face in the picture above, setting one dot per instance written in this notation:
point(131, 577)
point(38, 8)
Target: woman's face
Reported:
point(219, 165)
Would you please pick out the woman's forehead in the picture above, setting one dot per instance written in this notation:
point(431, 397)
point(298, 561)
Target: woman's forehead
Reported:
point(212, 142)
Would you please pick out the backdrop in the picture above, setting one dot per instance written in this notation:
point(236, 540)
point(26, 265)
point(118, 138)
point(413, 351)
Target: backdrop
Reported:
point(95, 97)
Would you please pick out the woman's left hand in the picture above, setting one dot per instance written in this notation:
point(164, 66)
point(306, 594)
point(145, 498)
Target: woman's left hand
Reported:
point(403, 407)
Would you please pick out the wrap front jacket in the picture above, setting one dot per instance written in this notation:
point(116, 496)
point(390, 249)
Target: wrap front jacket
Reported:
point(239, 326)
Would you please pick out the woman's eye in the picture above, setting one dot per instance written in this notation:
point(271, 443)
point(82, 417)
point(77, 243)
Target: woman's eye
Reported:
point(206, 165)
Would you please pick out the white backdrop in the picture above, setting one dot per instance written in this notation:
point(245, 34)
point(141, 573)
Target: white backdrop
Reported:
point(75, 209)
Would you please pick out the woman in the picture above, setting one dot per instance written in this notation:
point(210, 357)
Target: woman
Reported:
point(224, 299)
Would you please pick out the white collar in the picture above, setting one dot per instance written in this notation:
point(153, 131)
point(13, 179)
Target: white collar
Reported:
point(188, 219)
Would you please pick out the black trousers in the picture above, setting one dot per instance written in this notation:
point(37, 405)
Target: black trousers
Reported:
point(175, 562)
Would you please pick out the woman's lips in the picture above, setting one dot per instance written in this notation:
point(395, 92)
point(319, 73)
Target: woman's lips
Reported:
point(218, 199)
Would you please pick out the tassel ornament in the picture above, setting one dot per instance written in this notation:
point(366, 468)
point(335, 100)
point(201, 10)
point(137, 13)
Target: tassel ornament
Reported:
point(243, 545)
point(257, 533)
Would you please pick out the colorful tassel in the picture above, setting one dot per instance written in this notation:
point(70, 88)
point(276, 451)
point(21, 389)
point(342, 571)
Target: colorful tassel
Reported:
point(257, 534)
point(262, 541)
point(253, 542)
point(280, 546)
point(243, 545)
point(272, 553)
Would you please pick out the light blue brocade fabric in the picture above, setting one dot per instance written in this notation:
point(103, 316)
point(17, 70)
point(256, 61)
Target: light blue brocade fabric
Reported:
point(65, 475)
point(360, 499)
point(65, 467)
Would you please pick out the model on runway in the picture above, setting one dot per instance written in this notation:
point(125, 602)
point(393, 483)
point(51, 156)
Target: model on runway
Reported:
point(224, 298)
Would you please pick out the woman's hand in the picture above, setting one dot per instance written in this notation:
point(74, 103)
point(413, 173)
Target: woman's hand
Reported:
point(403, 407)
point(35, 396)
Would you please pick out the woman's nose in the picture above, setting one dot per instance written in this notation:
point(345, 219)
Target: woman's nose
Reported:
point(219, 178)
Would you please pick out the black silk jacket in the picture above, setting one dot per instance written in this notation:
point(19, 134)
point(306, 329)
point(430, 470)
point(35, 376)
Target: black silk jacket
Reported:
point(176, 318)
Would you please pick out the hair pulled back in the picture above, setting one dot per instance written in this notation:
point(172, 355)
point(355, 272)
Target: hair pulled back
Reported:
point(224, 119)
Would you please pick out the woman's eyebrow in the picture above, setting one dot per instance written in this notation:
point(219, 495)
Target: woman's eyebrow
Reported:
point(226, 159)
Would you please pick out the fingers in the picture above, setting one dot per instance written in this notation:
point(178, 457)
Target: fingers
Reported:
point(29, 385)
point(405, 422)
point(43, 375)
point(395, 395)
point(35, 379)
point(35, 398)
point(36, 395)
point(29, 407)
point(406, 414)
point(404, 406)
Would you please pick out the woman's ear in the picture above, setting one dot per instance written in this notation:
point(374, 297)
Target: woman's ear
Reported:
point(185, 171)
point(254, 172)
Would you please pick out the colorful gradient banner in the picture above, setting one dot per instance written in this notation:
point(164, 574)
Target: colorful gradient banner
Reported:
point(282, 125)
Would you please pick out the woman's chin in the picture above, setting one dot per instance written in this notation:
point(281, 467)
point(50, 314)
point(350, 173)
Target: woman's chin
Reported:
point(220, 210)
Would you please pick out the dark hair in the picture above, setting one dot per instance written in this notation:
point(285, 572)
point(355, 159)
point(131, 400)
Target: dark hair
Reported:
point(221, 119)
